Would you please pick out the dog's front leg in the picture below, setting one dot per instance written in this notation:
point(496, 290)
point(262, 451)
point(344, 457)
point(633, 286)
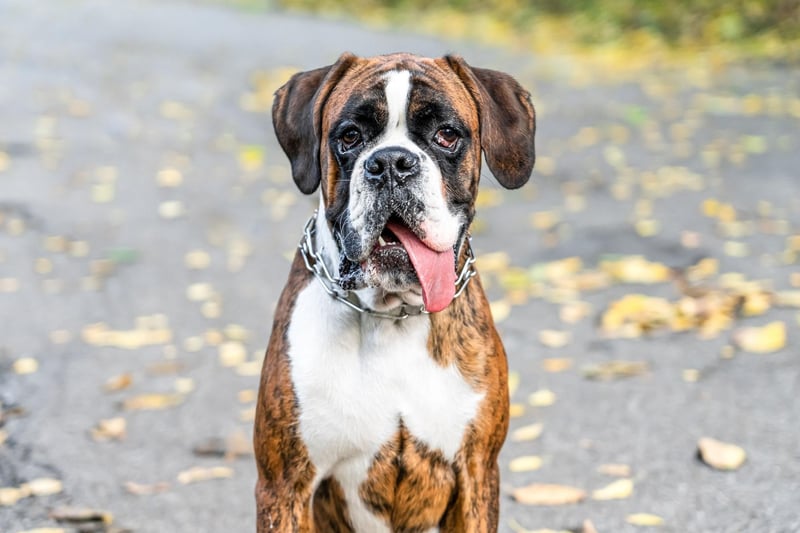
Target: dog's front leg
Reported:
point(476, 508)
point(280, 512)
point(285, 473)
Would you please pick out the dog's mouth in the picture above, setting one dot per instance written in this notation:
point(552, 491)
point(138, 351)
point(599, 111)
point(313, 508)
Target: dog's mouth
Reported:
point(400, 260)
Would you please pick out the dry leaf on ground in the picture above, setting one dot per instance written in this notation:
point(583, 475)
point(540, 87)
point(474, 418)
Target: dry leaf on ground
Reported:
point(765, 339)
point(197, 473)
point(542, 398)
point(118, 382)
point(110, 429)
point(11, 495)
point(556, 364)
point(518, 528)
point(81, 515)
point(142, 489)
point(721, 455)
point(553, 338)
point(146, 402)
point(524, 433)
point(615, 469)
point(644, 519)
point(617, 490)
point(611, 370)
point(526, 463)
point(548, 494)
point(43, 486)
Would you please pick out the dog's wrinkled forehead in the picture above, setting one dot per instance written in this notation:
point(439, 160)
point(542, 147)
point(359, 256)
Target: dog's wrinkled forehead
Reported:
point(433, 88)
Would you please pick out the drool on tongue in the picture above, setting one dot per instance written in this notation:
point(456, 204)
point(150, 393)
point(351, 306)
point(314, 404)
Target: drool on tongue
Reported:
point(435, 270)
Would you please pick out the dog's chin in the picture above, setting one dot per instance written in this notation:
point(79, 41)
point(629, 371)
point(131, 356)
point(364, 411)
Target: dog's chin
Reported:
point(387, 268)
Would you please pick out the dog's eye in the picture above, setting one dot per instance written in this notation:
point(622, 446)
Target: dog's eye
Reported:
point(350, 138)
point(447, 137)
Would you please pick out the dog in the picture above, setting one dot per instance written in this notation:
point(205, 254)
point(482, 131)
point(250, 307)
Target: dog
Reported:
point(383, 400)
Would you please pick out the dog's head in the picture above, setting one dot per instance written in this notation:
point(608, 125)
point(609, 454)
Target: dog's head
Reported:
point(395, 142)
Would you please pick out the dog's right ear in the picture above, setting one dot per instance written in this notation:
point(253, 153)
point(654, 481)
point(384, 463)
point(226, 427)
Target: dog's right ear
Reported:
point(297, 118)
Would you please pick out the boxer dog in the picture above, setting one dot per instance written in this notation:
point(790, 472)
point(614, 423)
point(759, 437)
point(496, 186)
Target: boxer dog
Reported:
point(383, 400)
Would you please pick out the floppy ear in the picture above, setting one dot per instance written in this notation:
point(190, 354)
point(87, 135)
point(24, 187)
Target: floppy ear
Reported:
point(297, 119)
point(507, 121)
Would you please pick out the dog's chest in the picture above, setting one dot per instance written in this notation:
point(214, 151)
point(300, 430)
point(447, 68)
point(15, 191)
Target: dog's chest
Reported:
point(360, 383)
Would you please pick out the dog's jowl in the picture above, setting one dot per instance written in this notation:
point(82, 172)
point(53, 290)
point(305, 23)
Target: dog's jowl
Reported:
point(383, 401)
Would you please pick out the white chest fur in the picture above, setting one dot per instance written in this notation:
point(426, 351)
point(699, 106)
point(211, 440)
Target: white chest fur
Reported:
point(356, 377)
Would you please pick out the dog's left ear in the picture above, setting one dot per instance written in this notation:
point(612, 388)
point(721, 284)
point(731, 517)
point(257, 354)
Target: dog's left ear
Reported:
point(297, 118)
point(507, 121)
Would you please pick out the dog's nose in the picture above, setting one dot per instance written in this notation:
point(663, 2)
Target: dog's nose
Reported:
point(395, 165)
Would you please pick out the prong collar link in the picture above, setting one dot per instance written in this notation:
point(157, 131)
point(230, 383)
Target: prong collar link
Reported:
point(316, 265)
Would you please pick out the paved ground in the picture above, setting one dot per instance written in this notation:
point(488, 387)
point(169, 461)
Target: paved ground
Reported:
point(185, 264)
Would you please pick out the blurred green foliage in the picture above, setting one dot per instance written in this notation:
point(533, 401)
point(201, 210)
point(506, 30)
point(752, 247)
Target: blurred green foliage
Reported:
point(687, 22)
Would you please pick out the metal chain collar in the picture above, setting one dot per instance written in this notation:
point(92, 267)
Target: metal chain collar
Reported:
point(316, 265)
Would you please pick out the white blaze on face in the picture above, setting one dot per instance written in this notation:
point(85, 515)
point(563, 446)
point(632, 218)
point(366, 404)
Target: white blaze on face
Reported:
point(439, 226)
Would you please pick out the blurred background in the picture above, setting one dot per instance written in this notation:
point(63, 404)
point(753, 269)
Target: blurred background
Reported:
point(645, 283)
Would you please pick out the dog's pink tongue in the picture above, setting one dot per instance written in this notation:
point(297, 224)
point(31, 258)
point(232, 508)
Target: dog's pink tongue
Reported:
point(435, 270)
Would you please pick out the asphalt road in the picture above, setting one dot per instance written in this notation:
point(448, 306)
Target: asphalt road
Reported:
point(97, 99)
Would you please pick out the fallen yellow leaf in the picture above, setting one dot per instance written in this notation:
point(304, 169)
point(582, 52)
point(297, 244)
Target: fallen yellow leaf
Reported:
point(232, 353)
point(141, 489)
point(25, 365)
point(152, 401)
point(636, 269)
point(721, 455)
point(110, 429)
point(542, 398)
point(615, 469)
point(119, 382)
point(195, 474)
point(556, 364)
point(644, 519)
point(525, 463)
point(617, 490)
point(513, 382)
point(615, 369)
point(765, 339)
point(43, 486)
point(525, 433)
point(554, 338)
point(548, 494)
